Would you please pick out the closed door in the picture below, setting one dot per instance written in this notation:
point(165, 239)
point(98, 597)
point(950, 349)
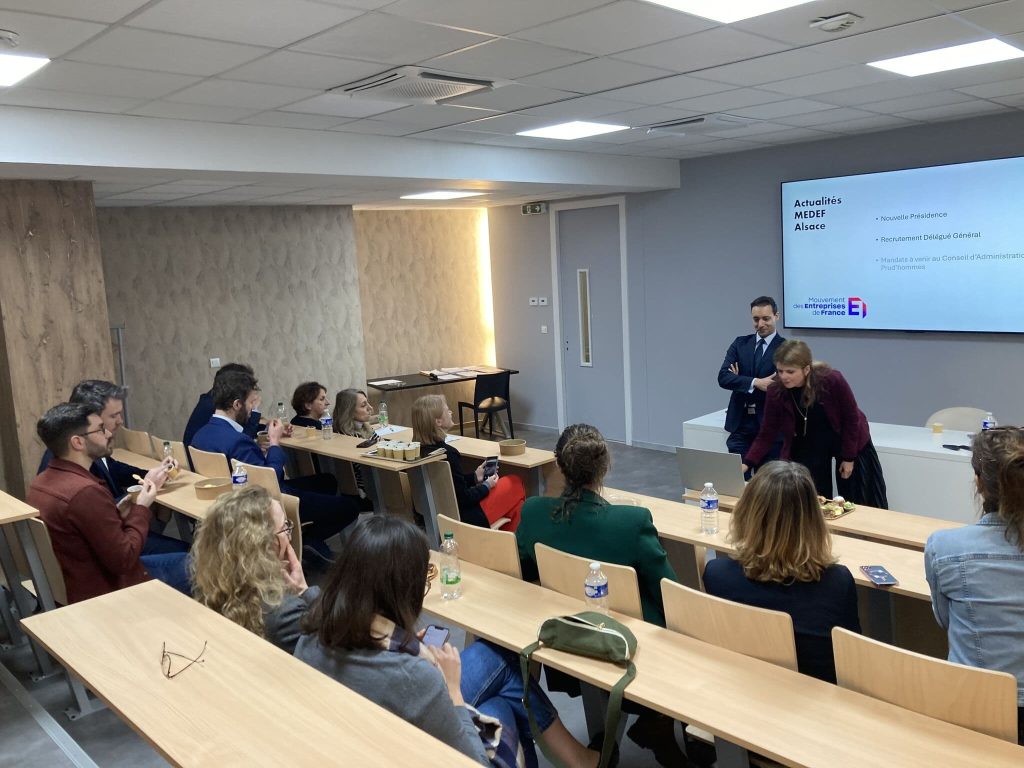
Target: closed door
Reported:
point(590, 304)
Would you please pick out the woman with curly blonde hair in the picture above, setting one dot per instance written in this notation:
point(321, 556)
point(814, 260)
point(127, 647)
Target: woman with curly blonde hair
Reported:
point(784, 562)
point(244, 567)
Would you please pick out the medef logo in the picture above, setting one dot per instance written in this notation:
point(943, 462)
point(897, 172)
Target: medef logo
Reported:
point(856, 307)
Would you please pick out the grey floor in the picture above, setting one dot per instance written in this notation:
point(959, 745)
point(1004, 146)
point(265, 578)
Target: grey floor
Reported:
point(34, 731)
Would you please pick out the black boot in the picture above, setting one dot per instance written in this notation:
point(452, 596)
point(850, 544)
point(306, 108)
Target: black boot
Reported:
point(656, 732)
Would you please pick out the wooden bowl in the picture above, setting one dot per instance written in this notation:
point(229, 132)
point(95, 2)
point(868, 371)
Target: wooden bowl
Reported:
point(512, 447)
point(211, 487)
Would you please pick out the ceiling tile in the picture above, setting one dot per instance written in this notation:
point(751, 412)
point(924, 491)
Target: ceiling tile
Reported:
point(507, 124)
point(292, 120)
point(726, 101)
point(634, 136)
point(998, 18)
point(582, 108)
point(366, 5)
point(917, 101)
point(376, 128)
point(955, 111)
point(781, 109)
point(513, 97)
point(793, 135)
point(1002, 88)
point(983, 73)
point(646, 116)
point(435, 116)
point(876, 123)
point(101, 189)
point(342, 106)
point(304, 70)
point(109, 81)
point(901, 40)
point(232, 93)
point(772, 68)
point(617, 27)
point(273, 24)
point(80, 102)
point(175, 111)
point(753, 129)
point(595, 75)
point(831, 80)
point(1016, 100)
point(45, 35)
point(496, 17)
point(852, 97)
point(376, 37)
point(452, 134)
point(506, 59)
point(702, 50)
point(93, 10)
point(189, 187)
point(825, 117)
point(717, 146)
point(667, 89)
point(168, 53)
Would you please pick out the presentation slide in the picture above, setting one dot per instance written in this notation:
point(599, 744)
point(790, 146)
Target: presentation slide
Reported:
point(926, 249)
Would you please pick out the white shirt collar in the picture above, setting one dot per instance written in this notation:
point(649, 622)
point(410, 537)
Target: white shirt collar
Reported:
point(232, 422)
point(767, 339)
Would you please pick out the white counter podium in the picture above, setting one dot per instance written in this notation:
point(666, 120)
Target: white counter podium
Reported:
point(921, 476)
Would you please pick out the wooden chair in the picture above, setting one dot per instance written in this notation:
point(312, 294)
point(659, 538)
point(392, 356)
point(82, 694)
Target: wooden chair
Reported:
point(264, 477)
point(209, 464)
point(488, 548)
point(960, 417)
point(44, 546)
point(139, 442)
point(979, 699)
point(490, 395)
point(177, 450)
point(291, 512)
point(566, 573)
point(758, 632)
point(436, 479)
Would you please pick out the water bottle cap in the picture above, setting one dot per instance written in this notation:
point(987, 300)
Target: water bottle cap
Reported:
point(595, 566)
point(708, 486)
point(449, 535)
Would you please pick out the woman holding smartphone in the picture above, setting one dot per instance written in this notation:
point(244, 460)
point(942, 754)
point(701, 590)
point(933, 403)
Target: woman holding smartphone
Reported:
point(784, 562)
point(483, 496)
point(362, 633)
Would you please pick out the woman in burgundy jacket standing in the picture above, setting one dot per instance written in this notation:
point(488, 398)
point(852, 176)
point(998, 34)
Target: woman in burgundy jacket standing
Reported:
point(814, 409)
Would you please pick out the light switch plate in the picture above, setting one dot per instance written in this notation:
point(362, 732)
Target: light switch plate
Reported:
point(215, 362)
point(543, 301)
point(533, 301)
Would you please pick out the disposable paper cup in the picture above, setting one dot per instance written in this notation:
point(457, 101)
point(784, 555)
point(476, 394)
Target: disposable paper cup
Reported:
point(133, 492)
point(937, 427)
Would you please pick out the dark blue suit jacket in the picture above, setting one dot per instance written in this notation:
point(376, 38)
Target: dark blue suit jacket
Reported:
point(220, 437)
point(117, 475)
point(202, 414)
point(742, 351)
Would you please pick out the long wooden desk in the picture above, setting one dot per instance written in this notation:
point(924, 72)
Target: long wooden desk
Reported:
point(885, 525)
point(789, 717)
point(247, 703)
point(415, 380)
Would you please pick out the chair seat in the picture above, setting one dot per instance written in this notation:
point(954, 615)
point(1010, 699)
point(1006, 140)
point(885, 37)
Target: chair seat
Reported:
point(490, 404)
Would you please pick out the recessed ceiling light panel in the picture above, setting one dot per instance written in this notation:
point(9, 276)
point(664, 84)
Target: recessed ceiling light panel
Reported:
point(728, 11)
point(577, 129)
point(441, 194)
point(13, 68)
point(953, 57)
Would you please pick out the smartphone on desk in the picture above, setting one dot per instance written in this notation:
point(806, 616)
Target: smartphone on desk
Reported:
point(435, 635)
point(490, 466)
point(368, 442)
point(879, 575)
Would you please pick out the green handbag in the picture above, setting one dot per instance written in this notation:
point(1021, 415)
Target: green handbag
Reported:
point(586, 634)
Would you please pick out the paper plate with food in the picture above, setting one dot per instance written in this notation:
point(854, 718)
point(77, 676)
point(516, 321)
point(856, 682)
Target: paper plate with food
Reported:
point(835, 508)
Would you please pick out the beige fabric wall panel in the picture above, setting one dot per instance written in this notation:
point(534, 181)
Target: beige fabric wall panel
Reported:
point(53, 306)
point(276, 287)
point(425, 284)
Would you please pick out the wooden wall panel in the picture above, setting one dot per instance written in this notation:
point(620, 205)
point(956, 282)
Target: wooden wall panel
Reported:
point(53, 311)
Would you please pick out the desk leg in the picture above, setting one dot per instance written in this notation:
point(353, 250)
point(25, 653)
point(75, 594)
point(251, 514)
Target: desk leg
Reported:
point(44, 664)
point(377, 491)
point(425, 503)
point(535, 482)
point(183, 523)
point(730, 755)
point(13, 633)
point(84, 703)
point(21, 598)
point(595, 706)
point(876, 609)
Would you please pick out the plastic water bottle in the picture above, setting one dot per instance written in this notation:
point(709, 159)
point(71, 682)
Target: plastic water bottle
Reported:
point(326, 426)
point(451, 573)
point(709, 510)
point(595, 589)
point(239, 477)
point(988, 422)
point(168, 452)
point(382, 413)
point(280, 411)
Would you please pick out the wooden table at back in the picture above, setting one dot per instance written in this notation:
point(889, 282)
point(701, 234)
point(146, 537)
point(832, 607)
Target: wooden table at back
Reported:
point(245, 702)
point(401, 381)
point(788, 717)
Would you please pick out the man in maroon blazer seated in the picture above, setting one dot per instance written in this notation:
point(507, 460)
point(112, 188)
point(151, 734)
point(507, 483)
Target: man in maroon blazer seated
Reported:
point(97, 543)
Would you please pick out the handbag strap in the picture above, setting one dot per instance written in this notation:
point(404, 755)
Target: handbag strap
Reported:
point(611, 717)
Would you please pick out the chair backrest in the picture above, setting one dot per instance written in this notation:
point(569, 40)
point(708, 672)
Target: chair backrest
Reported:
point(264, 477)
point(51, 567)
point(209, 464)
point(291, 512)
point(491, 390)
point(566, 573)
point(488, 548)
point(177, 450)
point(758, 632)
point(137, 441)
point(979, 699)
point(960, 417)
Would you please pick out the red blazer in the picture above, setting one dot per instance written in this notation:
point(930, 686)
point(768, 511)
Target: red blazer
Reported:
point(98, 552)
point(840, 406)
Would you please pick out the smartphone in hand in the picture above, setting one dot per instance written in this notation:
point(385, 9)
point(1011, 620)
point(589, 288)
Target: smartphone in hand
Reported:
point(879, 575)
point(436, 636)
point(491, 466)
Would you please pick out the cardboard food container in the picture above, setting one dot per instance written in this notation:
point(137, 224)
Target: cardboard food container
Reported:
point(211, 487)
point(512, 447)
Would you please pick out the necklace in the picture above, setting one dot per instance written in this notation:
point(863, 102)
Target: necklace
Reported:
point(803, 413)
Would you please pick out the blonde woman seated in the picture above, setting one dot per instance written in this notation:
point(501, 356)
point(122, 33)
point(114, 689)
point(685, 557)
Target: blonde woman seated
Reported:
point(784, 562)
point(244, 567)
point(482, 499)
point(353, 414)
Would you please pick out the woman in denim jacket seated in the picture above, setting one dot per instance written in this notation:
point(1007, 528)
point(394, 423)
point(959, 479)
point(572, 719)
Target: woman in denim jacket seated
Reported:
point(976, 573)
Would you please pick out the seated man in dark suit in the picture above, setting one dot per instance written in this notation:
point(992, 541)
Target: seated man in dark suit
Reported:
point(107, 399)
point(234, 394)
point(204, 408)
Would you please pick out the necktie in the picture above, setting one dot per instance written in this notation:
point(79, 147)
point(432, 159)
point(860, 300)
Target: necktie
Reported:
point(758, 354)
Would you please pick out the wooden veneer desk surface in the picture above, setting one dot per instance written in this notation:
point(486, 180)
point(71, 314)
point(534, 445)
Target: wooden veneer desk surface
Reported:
point(792, 718)
point(681, 522)
point(13, 510)
point(248, 703)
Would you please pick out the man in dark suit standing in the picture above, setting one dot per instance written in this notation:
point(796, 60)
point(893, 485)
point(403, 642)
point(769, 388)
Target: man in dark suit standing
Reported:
point(748, 370)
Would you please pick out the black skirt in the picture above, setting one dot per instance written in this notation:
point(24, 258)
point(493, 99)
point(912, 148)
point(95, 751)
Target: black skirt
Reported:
point(866, 485)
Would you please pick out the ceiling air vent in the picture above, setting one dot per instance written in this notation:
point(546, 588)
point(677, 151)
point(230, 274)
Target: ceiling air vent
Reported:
point(702, 124)
point(414, 85)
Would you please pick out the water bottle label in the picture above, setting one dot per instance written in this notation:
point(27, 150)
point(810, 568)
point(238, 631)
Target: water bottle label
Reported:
point(595, 591)
point(986, 424)
point(326, 422)
point(450, 577)
point(709, 505)
point(239, 479)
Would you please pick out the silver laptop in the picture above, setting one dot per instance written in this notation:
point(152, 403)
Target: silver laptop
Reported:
point(697, 467)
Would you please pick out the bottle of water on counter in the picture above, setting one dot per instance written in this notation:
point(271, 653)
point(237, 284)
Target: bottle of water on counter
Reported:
point(239, 477)
point(382, 413)
point(988, 422)
point(595, 589)
point(709, 510)
point(451, 573)
point(326, 426)
point(279, 412)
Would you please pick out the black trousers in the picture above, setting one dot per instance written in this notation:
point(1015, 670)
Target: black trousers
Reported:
point(319, 505)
